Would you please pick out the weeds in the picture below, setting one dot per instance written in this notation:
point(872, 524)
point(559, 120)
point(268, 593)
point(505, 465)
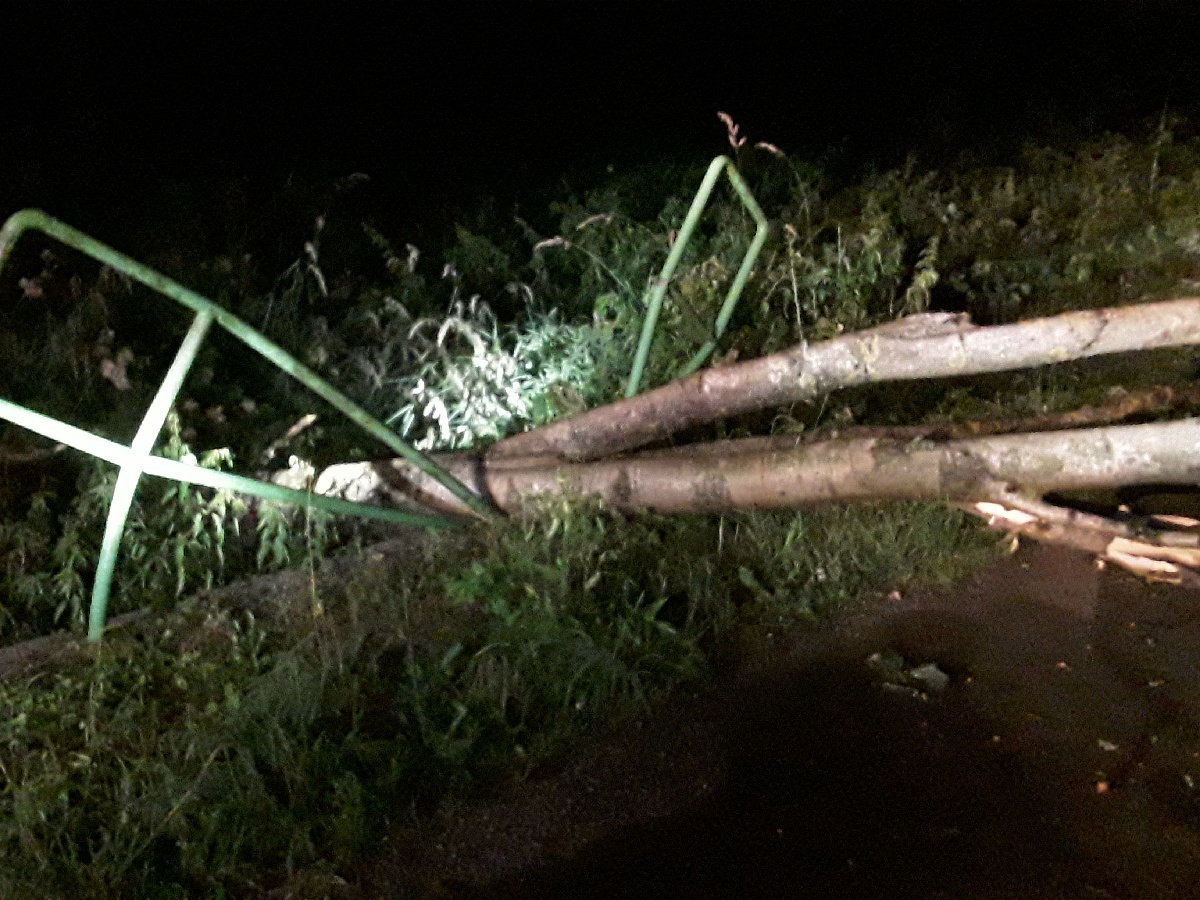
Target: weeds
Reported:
point(581, 618)
point(221, 748)
point(797, 567)
point(178, 538)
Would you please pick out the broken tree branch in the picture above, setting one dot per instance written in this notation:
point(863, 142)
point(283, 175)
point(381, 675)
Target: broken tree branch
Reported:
point(1166, 556)
point(932, 345)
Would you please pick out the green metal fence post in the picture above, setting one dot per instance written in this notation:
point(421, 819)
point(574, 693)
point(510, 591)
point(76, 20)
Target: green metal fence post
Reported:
point(131, 472)
point(137, 459)
point(658, 288)
point(159, 467)
point(739, 282)
point(35, 219)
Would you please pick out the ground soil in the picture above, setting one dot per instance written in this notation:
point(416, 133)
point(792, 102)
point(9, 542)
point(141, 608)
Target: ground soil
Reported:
point(1062, 760)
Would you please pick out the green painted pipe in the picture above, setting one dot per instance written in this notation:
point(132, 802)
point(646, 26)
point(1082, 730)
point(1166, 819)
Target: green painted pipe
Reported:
point(120, 455)
point(136, 459)
point(131, 472)
point(34, 219)
point(658, 290)
point(739, 282)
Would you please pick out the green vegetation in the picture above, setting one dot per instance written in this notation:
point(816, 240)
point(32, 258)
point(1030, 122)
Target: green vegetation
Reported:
point(217, 748)
point(237, 735)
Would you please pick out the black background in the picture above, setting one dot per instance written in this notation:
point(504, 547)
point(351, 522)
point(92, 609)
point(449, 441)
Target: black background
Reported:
point(118, 116)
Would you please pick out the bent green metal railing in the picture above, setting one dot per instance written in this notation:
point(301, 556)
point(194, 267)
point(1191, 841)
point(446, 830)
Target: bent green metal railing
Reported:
point(658, 288)
point(137, 459)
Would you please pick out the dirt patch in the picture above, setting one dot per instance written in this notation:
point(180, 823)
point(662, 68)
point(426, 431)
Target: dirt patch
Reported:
point(1061, 760)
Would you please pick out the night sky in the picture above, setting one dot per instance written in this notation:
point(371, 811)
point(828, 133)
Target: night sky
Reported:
point(118, 116)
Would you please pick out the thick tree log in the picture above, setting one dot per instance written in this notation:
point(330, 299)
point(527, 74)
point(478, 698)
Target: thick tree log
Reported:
point(919, 347)
point(762, 473)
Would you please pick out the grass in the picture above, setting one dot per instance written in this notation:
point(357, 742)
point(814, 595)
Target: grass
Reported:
point(220, 750)
point(234, 738)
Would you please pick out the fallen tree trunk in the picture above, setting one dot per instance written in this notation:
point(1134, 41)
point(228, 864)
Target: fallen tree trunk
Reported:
point(763, 473)
point(933, 345)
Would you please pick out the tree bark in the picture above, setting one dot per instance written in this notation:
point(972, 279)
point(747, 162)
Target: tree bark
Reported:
point(765, 473)
point(932, 345)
